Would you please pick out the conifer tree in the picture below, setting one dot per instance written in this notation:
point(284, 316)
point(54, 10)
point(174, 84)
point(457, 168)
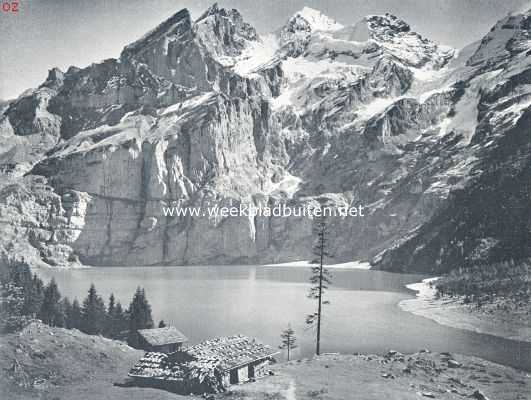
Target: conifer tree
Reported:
point(20, 275)
point(289, 341)
point(32, 288)
point(110, 321)
point(33, 296)
point(320, 278)
point(111, 306)
point(139, 315)
point(74, 317)
point(12, 300)
point(51, 312)
point(60, 317)
point(93, 313)
point(162, 324)
point(66, 307)
point(122, 321)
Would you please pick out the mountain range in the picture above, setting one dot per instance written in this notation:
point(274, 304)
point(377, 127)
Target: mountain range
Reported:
point(433, 141)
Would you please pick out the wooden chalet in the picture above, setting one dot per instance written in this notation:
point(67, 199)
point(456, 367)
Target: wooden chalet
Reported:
point(162, 340)
point(208, 367)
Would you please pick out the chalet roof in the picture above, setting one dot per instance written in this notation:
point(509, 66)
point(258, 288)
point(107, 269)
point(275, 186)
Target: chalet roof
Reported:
point(226, 353)
point(230, 352)
point(162, 336)
point(154, 365)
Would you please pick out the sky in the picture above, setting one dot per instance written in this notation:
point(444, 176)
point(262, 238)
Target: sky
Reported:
point(59, 33)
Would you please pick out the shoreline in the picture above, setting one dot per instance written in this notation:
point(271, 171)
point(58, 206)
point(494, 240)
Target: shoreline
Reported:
point(363, 265)
point(448, 311)
point(307, 263)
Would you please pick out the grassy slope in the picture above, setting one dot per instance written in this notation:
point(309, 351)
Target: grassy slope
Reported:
point(55, 363)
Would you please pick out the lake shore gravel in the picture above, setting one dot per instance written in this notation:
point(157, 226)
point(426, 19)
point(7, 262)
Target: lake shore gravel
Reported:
point(499, 318)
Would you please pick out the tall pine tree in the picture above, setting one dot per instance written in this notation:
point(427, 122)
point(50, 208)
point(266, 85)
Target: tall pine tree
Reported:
point(33, 297)
point(117, 321)
point(122, 321)
point(110, 318)
point(66, 307)
point(112, 304)
point(139, 315)
point(32, 288)
point(51, 312)
point(320, 278)
point(74, 317)
point(20, 275)
point(93, 313)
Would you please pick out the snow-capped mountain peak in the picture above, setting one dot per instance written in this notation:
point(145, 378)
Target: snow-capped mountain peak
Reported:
point(509, 36)
point(207, 112)
point(387, 23)
point(317, 20)
point(396, 38)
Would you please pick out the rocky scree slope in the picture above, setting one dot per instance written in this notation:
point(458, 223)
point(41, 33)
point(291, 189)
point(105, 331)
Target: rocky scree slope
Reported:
point(208, 112)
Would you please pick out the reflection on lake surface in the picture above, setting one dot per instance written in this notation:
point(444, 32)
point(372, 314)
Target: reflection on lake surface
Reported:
point(363, 316)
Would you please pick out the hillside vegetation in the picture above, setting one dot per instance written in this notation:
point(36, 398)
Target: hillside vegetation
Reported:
point(480, 284)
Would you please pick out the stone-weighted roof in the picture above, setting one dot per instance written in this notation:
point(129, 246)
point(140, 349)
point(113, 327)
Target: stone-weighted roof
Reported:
point(230, 352)
point(224, 353)
point(162, 336)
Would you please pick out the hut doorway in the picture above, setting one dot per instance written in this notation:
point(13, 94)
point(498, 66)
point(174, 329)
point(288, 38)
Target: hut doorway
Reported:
point(239, 375)
point(233, 376)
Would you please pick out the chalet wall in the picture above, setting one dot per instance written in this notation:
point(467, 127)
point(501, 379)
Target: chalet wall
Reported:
point(183, 386)
point(243, 374)
point(259, 369)
point(253, 370)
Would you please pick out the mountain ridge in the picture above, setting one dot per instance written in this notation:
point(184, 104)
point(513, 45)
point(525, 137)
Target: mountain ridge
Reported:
point(208, 112)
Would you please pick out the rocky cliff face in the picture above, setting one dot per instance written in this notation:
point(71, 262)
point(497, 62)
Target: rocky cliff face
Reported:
point(207, 112)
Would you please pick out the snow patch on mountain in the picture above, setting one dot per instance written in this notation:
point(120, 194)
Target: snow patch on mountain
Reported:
point(289, 185)
point(375, 107)
point(133, 128)
point(465, 120)
point(297, 68)
point(318, 21)
point(187, 105)
point(511, 114)
point(284, 100)
point(256, 54)
point(302, 74)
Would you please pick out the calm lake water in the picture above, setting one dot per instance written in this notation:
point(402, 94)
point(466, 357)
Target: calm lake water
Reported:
point(205, 302)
